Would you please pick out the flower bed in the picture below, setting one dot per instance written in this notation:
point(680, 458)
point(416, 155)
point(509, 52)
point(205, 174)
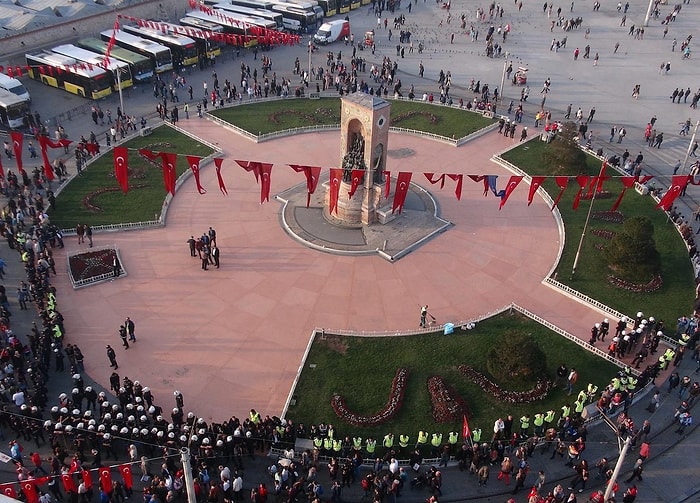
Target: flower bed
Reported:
point(447, 405)
point(91, 266)
point(613, 217)
point(487, 386)
point(434, 119)
point(604, 233)
point(650, 286)
point(398, 389)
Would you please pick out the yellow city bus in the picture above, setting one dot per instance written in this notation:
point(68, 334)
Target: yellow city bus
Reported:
point(69, 74)
point(121, 72)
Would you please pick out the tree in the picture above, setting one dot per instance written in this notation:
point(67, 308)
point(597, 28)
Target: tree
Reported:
point(516, 357)
point(564, 154)
point(632, 253)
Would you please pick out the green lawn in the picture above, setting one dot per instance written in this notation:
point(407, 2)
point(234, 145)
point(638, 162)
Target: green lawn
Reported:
point(271, 116)
point(146, 189)
point(361, 369)
point(674, 299)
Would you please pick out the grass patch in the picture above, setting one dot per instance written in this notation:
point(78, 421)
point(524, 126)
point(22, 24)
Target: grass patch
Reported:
point(676, 295)
point(278, 115)
point(99, 188)
point(358, 369)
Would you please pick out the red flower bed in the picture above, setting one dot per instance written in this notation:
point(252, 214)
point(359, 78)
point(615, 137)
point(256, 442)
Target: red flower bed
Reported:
point(652, 285)
point(447, 405)
point(604, 233)
point(398, 389)
point(91, 264)
point(614, 217)
point(487, 386)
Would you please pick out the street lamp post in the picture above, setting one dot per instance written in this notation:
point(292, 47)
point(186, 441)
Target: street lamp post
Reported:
point(503, 75)
point(308, 75)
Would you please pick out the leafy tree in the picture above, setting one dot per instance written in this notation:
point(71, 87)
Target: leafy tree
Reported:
point(564, 154)
point(632, 253)
point(516, 357)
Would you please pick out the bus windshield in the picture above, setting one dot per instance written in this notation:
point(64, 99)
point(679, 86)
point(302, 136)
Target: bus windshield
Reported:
point(163, 58)
point(17, 111)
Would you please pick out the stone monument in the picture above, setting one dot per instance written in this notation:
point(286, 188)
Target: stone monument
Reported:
point(364, 135)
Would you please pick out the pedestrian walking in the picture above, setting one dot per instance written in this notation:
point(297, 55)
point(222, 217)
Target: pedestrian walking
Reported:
point(423, 315)
point(130, 329)
point(123, 335)
point(112, 357)
point(636, 471)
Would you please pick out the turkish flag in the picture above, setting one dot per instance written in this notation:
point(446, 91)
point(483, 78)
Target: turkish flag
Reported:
point(87, 478)
point(678, 183)
point(582, 182)
point(265, 173)
point(356, 179)
point(562, 182)
point(2, 171)
point(194, 161)
point(105, 479)
point(69, 483)
point(534, 185)
point(251, 166)
point(336, 178)
point(9, 491)
point(169, 160)
point(121, 167)
point(29, 490)
point(458, 188)
point(126, 475)
point(627, 183)
point(510, 187)
point(402, 184)
point(644, 179)
point(112, 41)
point(387, 189)
point(43, 143)
point(148, 154)
point(17, 142)
point(222, 187)
point(466, 433)
point(436, 179)
point(312, 174)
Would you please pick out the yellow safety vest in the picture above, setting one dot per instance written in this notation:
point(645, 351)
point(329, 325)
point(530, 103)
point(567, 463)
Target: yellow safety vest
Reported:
point(422, 437)
point(357, 443)
point(476, 435)
point(436, 440)
point(327, 443)
point(403, 440)
point(337, 445)
point(579, 406)
point(371, 445)
point(539, 419)
point(565, 410)
point(453, 437)
point(318, 442)
point(550, 416)
point(525, 422)
point(389, 441)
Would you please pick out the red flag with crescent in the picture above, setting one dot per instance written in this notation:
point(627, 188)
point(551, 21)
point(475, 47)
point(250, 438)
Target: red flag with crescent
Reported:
point(432, 178)
point(9, 491)
point(387, 188)
point(105, 479)
point(121, 167)
point(265, 173)
point(312, 174)
point(87, 478)
point(251, 166)
point(126, 475)
point(562, 182)
point(112, 41)
point(534, 185)
point(356, 179)
point(402, 183)
point(2, 171)
point(335, 179)
point(678, 183)
point(17, 142)
point(193, 162)
point(510, 187)
point(29, 490)
point(148, 154)
point(458, 188)
point(169, 160)
point(43, 143)
point(582, 182)
point(627, 183)
point(466, 432)
point(222, 187)
point(69, 483)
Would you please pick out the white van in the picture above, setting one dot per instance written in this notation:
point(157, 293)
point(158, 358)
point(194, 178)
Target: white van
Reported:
point(332, 31)
point(14, 86)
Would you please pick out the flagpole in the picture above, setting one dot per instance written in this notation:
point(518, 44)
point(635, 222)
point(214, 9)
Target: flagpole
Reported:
point(588, 218)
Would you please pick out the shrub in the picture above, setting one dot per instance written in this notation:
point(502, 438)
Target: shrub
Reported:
point(564, 154)
point(632, 253)
point(516, 357)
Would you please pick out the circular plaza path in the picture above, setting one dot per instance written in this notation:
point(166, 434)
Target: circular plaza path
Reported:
point(232, 339)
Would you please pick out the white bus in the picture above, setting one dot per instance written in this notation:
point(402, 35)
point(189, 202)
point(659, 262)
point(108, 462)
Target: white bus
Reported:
point(121, 73)
point(13, 110)
point(269, 15)
point(297, 18)
point(160, 55)
point(14, 86)
point(183, 49)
